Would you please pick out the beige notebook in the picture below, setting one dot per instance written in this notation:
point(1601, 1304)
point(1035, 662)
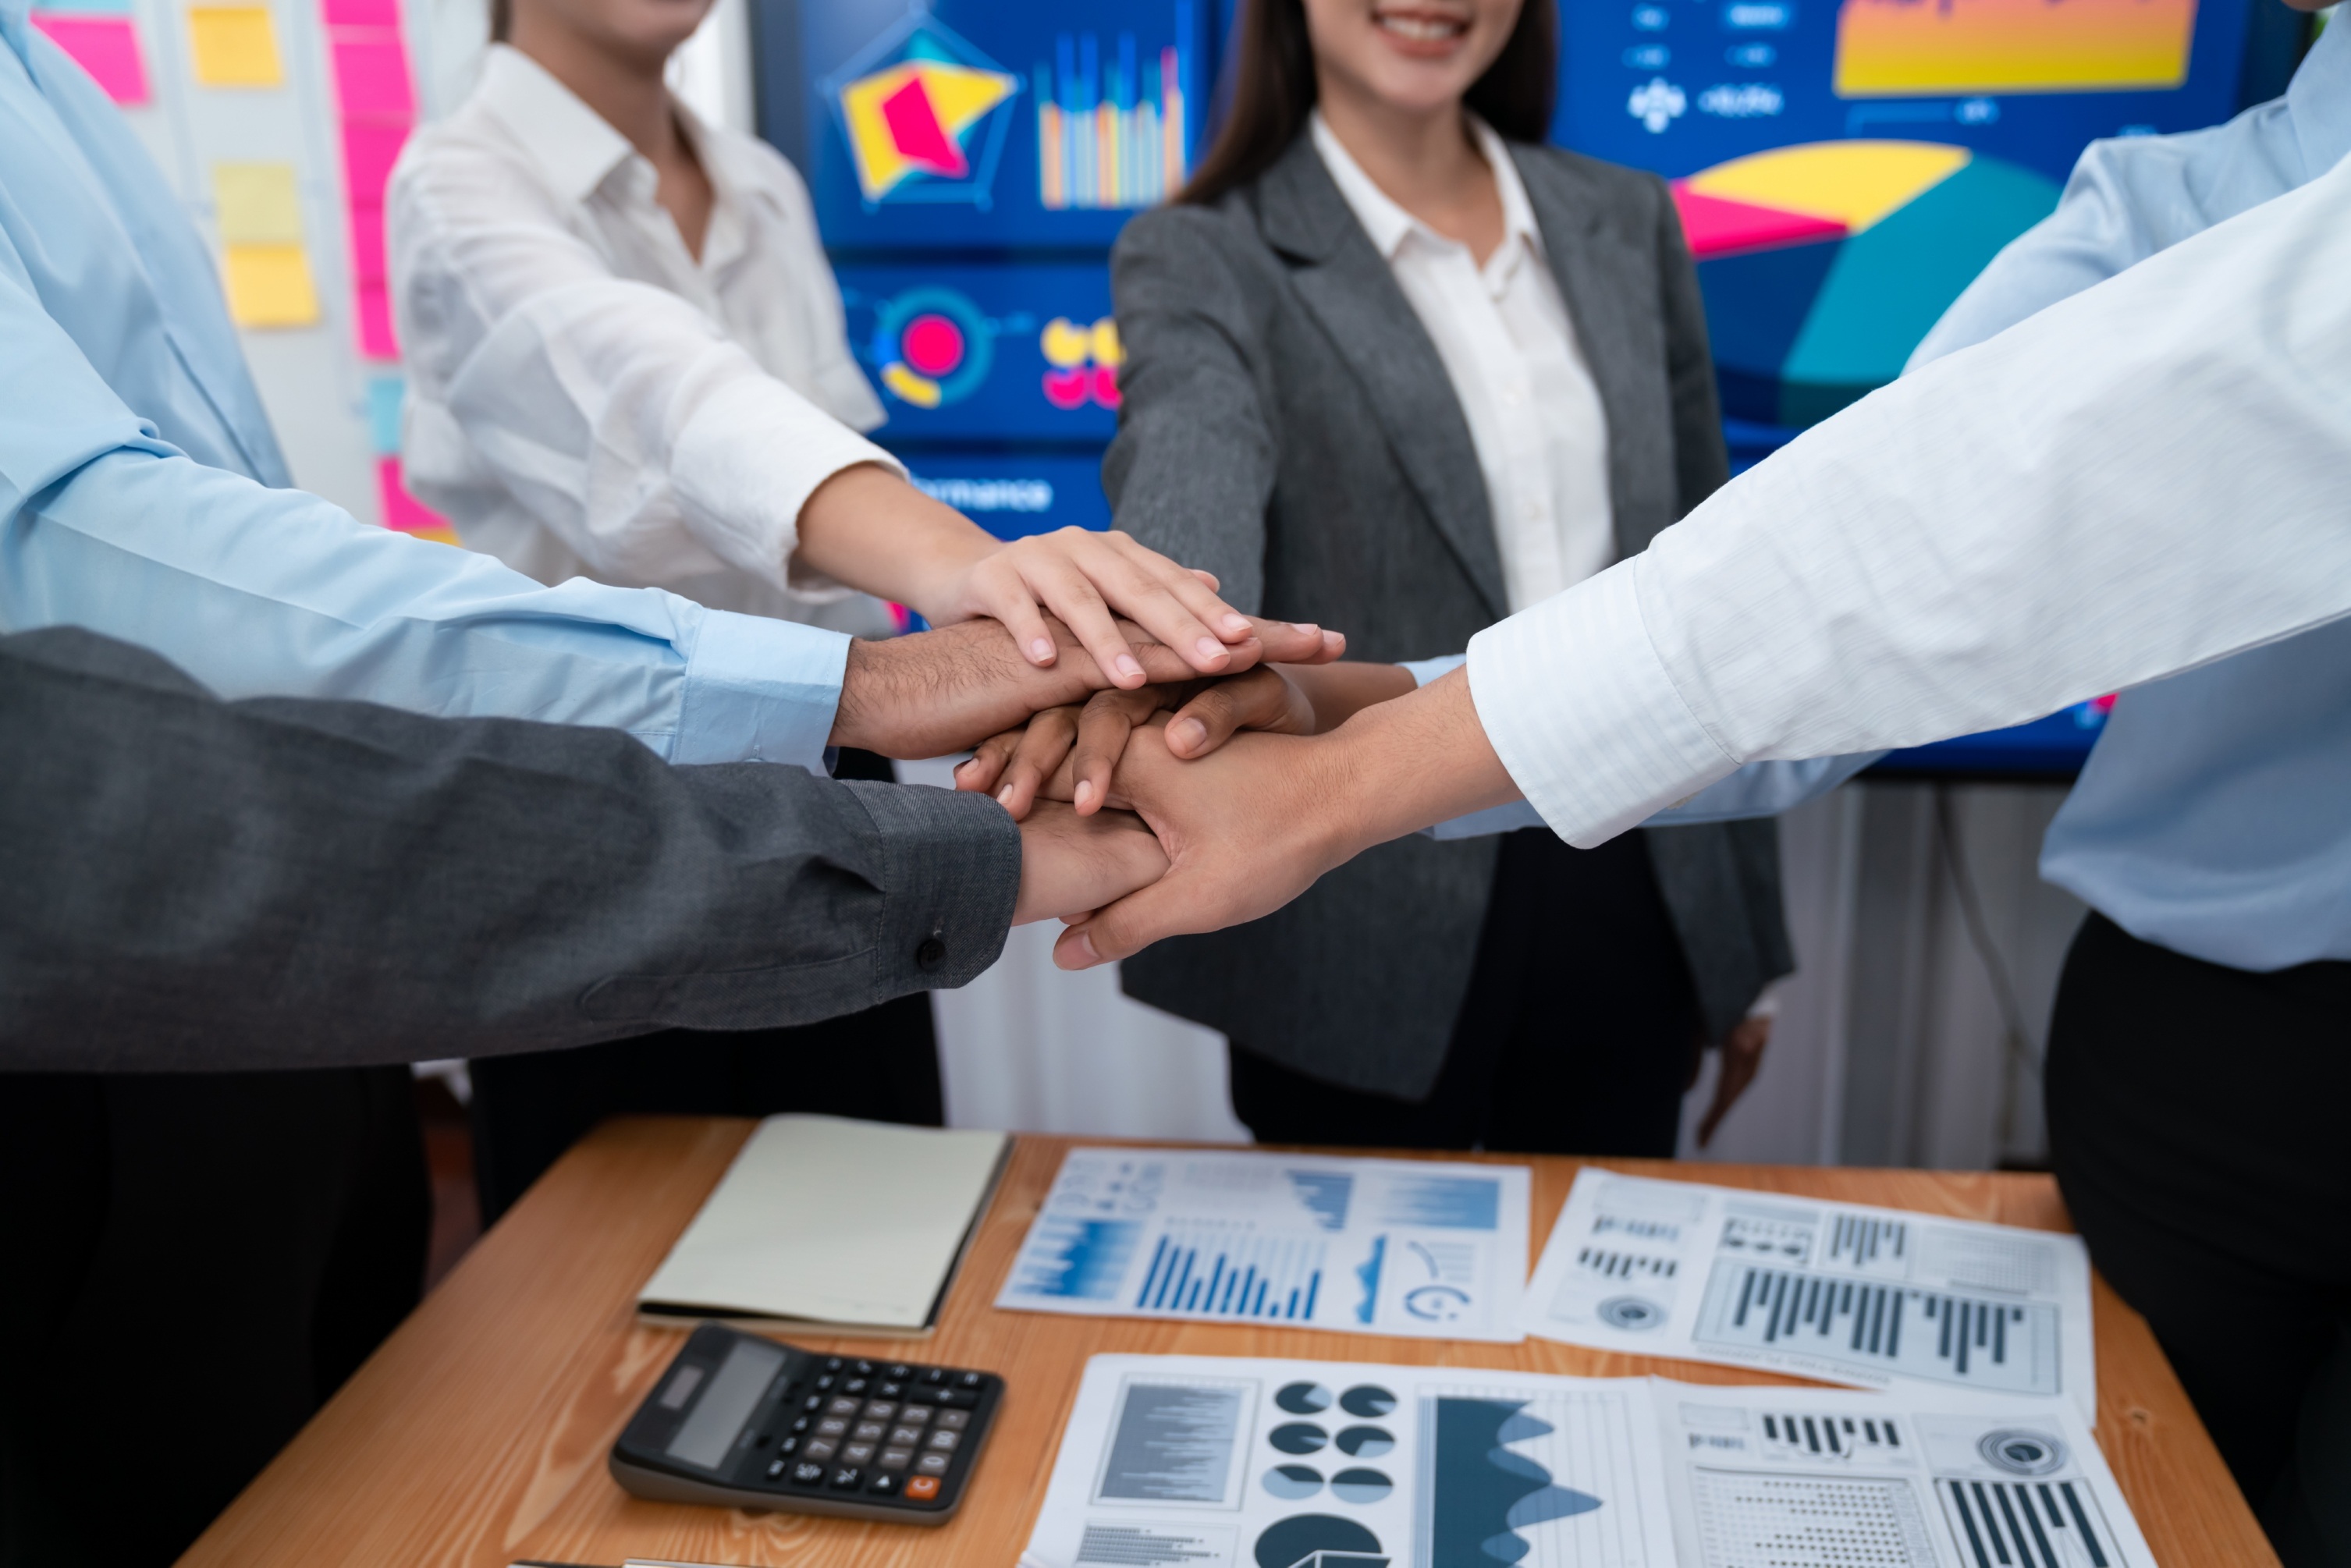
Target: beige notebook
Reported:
point(821, 1220)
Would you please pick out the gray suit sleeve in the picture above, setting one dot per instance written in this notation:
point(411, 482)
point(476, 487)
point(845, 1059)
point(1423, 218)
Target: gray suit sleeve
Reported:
point(1193, 465)
point(189, 884)
point(1701, 466)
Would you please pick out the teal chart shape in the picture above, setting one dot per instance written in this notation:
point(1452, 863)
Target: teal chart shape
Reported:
point(1484, 1494)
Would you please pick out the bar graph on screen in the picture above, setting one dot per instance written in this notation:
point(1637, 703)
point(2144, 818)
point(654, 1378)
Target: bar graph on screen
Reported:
point(1113, 124)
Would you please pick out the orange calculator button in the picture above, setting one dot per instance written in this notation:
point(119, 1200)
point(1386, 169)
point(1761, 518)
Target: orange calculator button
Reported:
point(922, 1489)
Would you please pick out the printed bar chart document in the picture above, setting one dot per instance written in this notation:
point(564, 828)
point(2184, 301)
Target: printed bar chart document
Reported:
point(1811, 1478)
point(1383, 1247)
point(1877, 1297)
point(1208, 1462)
point(1214, 1463)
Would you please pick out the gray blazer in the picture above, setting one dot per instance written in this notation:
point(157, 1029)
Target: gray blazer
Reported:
point(191, 885)
point(1287, 424)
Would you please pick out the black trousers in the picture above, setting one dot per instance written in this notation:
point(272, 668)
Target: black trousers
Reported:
point(1578, 1035)
point(194, 1263)
point(2195, 1123)
point(882, 1064)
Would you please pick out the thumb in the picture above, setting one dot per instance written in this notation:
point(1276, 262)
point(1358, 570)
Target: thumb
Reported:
point(1128, 925)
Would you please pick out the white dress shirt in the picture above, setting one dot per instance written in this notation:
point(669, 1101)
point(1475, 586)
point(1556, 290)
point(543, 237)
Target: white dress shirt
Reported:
point(2136, 481)
point(1509, 349)
point(586, 399)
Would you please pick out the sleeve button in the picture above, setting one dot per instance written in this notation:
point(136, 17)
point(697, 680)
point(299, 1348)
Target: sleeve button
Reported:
point(931, 953)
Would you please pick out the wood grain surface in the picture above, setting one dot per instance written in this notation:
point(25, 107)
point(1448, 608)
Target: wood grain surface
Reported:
point(478, 1434)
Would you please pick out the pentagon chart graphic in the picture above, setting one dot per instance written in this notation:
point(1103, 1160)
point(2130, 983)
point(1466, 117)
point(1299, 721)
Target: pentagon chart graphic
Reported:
point(1898, 47)
point(1825, 264)
point(919, 106)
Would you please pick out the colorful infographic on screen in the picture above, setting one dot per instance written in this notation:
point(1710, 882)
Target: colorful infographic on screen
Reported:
point(1844, 170)
point(956, 125)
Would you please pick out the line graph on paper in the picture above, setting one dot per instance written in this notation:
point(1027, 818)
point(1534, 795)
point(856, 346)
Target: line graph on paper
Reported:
point(1877, 1329)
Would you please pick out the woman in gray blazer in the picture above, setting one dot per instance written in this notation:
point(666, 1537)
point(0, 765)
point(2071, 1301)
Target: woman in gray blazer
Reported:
point(1395, 367)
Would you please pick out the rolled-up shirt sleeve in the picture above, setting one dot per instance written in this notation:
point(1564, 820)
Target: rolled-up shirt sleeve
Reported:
point(617, 412)
point(256, 592)
point(2137, 480)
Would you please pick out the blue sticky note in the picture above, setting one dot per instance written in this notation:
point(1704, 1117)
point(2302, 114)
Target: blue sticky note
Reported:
point(385, 394)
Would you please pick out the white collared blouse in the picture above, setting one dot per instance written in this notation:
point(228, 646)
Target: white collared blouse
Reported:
point(1509, 349)
point(587, 399)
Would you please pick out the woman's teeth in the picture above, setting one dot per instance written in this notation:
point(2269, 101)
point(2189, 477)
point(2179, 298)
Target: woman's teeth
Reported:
point(1421, 29)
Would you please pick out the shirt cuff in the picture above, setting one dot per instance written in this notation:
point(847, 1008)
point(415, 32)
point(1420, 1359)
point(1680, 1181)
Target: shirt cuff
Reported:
point(746, 465)
point(1424, 671)
point(759, 691)
point(952, 876)
point(1584, 713)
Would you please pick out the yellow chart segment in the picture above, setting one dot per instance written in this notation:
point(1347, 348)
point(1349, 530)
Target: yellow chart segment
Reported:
point(1903, 48)
point(958, 95)
point(1852, 183)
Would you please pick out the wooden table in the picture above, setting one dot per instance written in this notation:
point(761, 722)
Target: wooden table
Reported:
point(478, 1434)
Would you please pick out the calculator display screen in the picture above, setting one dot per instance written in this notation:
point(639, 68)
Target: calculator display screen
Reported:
point(750, 1365)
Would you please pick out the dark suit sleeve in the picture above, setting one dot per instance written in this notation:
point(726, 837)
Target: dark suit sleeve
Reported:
point(193, 884)
point(1193, 465)
point(1701, 466)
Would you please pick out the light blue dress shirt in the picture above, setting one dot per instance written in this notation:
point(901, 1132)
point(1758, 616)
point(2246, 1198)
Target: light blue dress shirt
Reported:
point(2214, 816)
point(140, 494)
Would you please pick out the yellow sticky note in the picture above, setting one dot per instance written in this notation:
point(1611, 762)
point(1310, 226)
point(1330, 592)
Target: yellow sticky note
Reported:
point(269, 286)
point(257, 203)
point(236, 46)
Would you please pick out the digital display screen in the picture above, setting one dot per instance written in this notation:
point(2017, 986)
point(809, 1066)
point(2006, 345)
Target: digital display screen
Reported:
point(728, 1402)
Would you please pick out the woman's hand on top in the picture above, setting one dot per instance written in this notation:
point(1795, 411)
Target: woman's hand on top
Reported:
point(1090, 580)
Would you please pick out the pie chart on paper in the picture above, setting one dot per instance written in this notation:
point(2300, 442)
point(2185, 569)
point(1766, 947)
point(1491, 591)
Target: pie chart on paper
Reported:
point(1825, 264)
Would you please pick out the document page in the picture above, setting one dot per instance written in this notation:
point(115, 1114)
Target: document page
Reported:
point(1414, 1248)
point(1813, 1478)
point(1879, 1297)
point(1205, 1462)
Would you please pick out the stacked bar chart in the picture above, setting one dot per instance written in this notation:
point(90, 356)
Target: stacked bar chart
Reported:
point(1113, 126)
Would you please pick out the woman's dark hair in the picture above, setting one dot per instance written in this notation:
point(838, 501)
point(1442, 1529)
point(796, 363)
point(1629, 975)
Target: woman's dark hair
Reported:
point(501, 20)
point(1269, 91)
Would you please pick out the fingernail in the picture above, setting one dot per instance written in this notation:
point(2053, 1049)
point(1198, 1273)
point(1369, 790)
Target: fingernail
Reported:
point(1086, 942)
point(1191, 732)
point(1331, 639)
point(1210, 648)
point(1128, 668)
point(1003, 796)
point(1305, 628)
point(1041, 650)
point(1085, 791)
point(1236, 623)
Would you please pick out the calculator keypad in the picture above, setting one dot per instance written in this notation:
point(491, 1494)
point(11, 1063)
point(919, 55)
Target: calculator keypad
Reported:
point(836, 1435)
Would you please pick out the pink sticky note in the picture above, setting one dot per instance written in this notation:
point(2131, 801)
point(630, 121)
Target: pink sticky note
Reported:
point(105, 47)
point(376, 340)
point(362, 13)
point(401, 509)
point(369, 153)
point(371, 76)
point(367, 245)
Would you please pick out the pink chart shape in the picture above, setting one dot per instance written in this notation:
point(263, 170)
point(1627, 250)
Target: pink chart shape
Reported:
point(1717, 226)
point(921, 140)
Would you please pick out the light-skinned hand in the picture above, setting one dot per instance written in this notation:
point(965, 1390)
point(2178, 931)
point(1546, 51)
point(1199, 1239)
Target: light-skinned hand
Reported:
point(870, 529)
point(1253, 825)
point(1071, 865)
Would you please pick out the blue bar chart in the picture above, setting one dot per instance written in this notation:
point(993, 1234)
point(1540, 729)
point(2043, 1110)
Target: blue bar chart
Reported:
point(1211, 1273)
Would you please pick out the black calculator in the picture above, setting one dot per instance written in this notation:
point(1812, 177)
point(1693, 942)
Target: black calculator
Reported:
point(745, 1422)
